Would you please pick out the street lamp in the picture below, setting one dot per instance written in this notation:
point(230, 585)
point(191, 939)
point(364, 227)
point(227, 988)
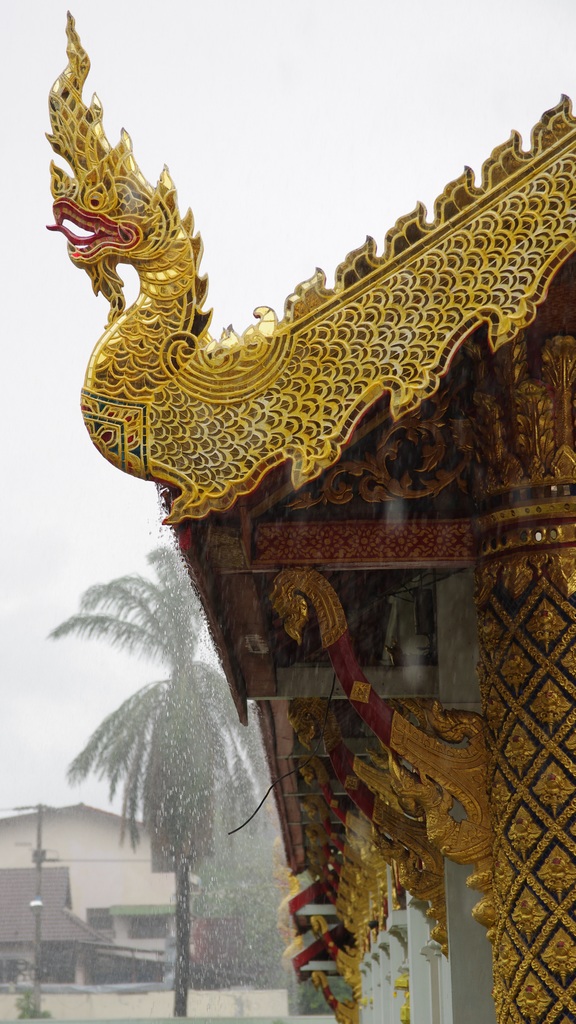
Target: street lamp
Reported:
point(36, 908)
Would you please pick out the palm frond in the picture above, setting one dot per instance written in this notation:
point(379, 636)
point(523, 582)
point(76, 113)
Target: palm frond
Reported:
point(108, 749)
point(162, 619)
point(120, 633)
point(129, 597)
point(170, 744)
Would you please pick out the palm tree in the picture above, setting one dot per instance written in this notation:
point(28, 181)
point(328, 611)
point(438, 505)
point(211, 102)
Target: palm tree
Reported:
point(148, 744)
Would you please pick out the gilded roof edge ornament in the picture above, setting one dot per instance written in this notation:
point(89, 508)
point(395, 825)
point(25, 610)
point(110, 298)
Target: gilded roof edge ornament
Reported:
point(505, 162)
point(165, 401)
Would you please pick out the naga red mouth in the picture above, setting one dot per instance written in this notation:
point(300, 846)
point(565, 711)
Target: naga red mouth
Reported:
point(89, 233)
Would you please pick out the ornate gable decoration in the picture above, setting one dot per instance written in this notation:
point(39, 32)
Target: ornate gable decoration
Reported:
point(165, 401)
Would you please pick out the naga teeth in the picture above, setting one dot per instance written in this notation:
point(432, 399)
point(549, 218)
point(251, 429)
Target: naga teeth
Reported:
point(78, 230)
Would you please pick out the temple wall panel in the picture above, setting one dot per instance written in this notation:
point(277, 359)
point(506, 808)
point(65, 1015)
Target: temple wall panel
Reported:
point(457, 653)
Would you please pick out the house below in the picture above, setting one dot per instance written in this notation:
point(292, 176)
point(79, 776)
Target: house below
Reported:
point(106, 915)
point(71, 952)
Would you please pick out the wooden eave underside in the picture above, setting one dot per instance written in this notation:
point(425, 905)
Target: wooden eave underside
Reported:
point(231, 564)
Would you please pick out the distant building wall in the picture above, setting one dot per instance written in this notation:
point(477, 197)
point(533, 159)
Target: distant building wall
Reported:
point(104, 1006)
point(103, 873)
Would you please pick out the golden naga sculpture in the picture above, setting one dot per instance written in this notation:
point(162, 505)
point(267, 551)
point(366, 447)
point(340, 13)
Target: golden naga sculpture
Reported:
point(207, 419)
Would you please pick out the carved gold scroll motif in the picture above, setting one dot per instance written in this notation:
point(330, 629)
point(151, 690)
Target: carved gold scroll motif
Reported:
point(398, 839)
point(359, 897)
point(417, 456)
point(346, 957)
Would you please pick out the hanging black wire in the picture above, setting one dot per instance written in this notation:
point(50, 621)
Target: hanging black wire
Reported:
point(292, 770)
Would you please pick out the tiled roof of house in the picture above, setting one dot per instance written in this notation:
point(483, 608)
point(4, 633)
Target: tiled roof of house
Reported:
point(72, 810)
point(18, 889)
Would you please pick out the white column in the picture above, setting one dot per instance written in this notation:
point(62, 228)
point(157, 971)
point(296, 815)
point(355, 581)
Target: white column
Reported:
point(384, 974)
point(469, 951)
point(367, 1000)
point(377, 955)
point(420, 975)
point(440, 1002)
point(398, 965)
point(397, 932)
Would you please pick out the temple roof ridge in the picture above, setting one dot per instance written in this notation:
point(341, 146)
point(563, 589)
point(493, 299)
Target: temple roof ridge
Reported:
point(506, 161)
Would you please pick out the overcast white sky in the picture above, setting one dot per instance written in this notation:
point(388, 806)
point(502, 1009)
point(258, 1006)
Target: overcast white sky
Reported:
point(293, 128)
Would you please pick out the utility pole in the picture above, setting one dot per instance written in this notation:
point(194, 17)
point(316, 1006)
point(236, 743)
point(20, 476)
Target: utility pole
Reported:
point(38, 856)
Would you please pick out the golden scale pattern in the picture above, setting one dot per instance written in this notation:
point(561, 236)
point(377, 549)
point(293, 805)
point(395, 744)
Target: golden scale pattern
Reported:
point(164, 400)
point(528, 681)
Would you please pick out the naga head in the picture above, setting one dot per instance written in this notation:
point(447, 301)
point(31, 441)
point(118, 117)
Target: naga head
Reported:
point(311, 718)
point(106, 209)
point(290, 605)
point(312, 770)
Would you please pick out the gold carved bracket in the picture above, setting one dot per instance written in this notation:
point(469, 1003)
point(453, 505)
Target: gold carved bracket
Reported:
point(442, 770)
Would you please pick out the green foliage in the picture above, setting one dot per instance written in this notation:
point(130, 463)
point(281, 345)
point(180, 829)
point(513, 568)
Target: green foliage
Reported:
point(149, 745)
point(310, 1000)
point(27, 1008)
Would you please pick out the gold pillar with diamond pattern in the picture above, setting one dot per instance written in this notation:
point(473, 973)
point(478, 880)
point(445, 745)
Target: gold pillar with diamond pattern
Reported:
point(526, 601)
